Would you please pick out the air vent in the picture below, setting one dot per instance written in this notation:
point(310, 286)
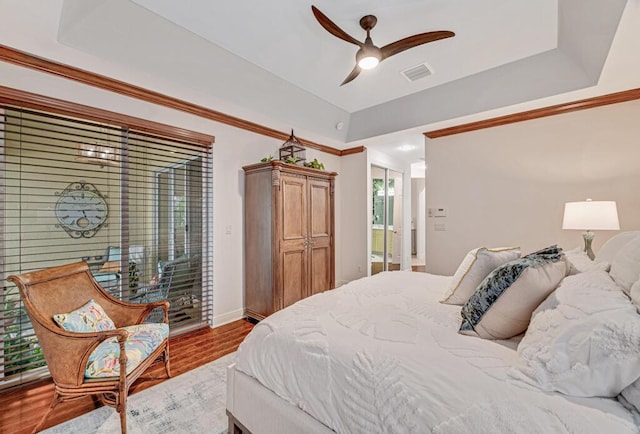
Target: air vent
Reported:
point(417, 72)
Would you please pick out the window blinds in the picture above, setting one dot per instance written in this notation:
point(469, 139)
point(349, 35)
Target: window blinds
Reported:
point(134, 205)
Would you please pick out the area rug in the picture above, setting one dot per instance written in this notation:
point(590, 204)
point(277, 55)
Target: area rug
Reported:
point(193, 402)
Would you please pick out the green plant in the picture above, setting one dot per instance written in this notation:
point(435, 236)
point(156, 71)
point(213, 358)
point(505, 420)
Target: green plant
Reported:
point(265, 159)
point(134, 275)
point(21, 349)
point(315, 164)
point(291, 160)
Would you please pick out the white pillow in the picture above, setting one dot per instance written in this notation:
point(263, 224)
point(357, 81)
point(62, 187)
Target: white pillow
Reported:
point(474, 268)
point(501, 306)
point(613, 245)
point(584, 340)
point(625, 266)
point(579, 262)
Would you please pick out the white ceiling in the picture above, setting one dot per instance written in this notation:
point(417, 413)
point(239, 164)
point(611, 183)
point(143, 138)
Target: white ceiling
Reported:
point(285, 39)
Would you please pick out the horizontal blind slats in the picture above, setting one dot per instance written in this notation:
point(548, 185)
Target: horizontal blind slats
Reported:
point(157, 193)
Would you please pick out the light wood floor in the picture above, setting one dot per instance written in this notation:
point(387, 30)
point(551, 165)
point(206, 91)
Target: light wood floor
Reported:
point(22, 407)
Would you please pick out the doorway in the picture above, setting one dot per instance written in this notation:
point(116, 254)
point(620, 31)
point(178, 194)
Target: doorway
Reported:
point(386, 220)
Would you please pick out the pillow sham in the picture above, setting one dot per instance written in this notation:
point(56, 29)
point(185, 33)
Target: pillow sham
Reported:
point(584, 340)
point(475, 266)
point(579, 262)
point(501, 306)
point(86, 319)
point(625, 265)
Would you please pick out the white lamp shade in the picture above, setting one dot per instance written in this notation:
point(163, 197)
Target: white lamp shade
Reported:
point(591, 215)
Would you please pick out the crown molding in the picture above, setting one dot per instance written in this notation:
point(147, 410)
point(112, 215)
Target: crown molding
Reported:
point(26, 60)
point(583, 104)
point(22, 99)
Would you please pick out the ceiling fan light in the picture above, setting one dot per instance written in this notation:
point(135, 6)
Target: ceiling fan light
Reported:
point(368, 62)
point(368, 57)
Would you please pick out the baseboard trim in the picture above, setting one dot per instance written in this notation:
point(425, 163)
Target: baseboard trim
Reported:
point(226, 318)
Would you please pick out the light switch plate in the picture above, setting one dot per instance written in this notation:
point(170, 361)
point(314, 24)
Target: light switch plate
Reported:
point(440, 212)
point(437, 212)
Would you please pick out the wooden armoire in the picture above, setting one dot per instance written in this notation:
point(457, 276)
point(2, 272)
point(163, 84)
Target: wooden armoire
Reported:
point(289, 235)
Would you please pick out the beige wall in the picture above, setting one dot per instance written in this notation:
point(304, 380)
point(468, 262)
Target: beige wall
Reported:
point(507, 185)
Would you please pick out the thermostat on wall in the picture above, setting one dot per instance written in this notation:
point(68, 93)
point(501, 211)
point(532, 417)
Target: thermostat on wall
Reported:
point(437, 212)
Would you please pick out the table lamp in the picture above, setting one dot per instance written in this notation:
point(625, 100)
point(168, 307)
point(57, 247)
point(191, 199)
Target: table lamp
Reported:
point(590, 215)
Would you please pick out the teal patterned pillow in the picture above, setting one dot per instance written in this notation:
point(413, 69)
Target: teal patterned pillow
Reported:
point(143, 339)
point(86, 319)
point(502, 305)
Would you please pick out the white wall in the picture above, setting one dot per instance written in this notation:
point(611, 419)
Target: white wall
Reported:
point(507, 185)
point(354, 217)
point(418, 214)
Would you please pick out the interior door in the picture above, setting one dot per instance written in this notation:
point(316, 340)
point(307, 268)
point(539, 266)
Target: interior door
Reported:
point(378, 183)
point(293, 246)
point(319, 241)
point(386, 220)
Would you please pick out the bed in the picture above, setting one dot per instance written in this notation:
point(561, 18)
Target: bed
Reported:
point(383, 355)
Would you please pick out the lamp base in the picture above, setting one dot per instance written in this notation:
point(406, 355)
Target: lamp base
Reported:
point(588, 238)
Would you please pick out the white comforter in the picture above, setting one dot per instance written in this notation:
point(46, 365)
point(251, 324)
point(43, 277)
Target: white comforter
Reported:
point(381, 355)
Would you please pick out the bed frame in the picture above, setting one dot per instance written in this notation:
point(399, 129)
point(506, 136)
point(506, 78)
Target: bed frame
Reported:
point(254, 409)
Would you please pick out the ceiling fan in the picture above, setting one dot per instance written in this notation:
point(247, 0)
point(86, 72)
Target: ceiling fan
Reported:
point(369, 55)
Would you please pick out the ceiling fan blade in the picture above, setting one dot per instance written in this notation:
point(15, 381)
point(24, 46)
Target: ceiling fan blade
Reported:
point(353, 74)
point(413, 41)
point(333, 28)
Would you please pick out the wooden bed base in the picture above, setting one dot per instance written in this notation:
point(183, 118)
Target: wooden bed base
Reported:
point(254, 409)
point(235, 427)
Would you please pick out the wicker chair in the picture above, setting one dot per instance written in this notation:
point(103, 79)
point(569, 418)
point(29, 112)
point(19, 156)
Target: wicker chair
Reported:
point(63, 289)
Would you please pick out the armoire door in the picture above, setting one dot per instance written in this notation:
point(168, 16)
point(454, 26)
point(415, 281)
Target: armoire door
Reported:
point(293, 245)
point(320, 234)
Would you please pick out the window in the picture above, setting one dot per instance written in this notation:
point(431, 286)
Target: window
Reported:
point(134, 205)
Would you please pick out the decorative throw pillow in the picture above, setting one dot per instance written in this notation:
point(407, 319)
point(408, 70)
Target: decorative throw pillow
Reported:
point(584, 340)
point(88, 318)
point(625, 265)
point(501, 306)
point(474, 268)
point(143, 339)
point(579, 262)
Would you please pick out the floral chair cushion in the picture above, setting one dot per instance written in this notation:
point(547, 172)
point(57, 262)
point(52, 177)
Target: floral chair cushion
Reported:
point(143, 339)
point(88, 318)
